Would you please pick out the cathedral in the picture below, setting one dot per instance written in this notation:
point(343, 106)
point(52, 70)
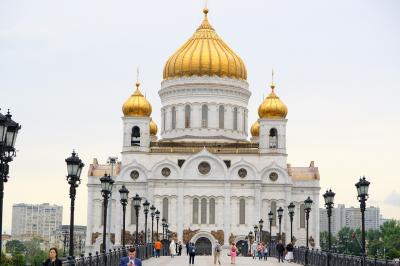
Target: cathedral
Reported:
point(208, 178)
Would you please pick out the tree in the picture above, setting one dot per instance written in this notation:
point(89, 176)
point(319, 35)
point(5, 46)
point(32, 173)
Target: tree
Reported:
point(348, 241)
point(15, 246)
point(18, 260)
point(390, 235)
point(324, 238)
point(34, 254)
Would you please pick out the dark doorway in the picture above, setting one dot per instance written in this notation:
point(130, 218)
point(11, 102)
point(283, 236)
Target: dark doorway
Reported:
point(243, 248)
point(203, 246)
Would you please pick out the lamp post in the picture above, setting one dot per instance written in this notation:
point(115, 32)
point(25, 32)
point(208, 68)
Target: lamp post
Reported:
point(328, 197)
point(152, 213)
point(307, 208)
point(74, 169)
point(106, 188)
point(8, 135)
point(136, 203)
point(124, 201)
point(270, 217)
point(157, 220)
point(291, 214)
point(255, 232)
point(146, 206)
point(260, 225)
point(362, 191)
point(280, 214)
point(163, 223)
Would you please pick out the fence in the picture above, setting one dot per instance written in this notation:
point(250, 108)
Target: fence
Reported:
point(110, 258)
point(320, 258)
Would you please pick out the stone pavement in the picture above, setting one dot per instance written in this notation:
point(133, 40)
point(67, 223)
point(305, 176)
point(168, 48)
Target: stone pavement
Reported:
point(209, 261)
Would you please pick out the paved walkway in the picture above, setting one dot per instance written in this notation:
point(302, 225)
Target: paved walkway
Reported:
point(209, 261)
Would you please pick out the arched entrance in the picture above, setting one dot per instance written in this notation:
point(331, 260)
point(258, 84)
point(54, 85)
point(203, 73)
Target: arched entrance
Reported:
point(203, 246)
point(243, 247)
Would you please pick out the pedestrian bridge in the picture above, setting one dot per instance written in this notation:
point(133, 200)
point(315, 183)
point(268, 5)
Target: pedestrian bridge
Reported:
point(209, 261)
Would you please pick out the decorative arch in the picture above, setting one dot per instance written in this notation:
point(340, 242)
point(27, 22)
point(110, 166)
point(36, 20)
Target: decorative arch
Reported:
point(156, 169)
point(203, 234)
point(274, 167)
point(252, 174)
point(125, 172)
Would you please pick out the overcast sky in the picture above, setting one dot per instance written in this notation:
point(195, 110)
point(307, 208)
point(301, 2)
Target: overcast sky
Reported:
point(66, 67)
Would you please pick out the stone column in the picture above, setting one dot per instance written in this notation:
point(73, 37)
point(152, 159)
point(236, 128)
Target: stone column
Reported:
point(257, 204)
point(227, 214)
point(118, 223)
point(180, 214)
point(90, 222)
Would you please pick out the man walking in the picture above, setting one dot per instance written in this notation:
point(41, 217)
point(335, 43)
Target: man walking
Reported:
point(192, 253)
point(280, 248)
point(217, 253)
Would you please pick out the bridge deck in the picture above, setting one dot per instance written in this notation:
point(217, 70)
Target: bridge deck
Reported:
point(209, 261)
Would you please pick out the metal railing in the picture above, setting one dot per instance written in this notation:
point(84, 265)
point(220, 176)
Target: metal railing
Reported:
point(114, 256)
point(320, 258)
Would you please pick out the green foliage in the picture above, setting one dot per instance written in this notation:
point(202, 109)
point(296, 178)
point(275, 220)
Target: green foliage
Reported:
point(15, 246)
point(18, 260)
point(324, 236)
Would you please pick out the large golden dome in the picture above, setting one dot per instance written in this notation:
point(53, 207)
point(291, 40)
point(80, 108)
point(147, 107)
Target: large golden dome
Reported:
point(153, 128)
point(272, 106)
point(205, 54)
point(137, 104)
point(255, 129)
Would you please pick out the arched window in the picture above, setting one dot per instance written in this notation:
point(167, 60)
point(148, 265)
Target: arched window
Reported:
point(203, 211)
point(195, 219)
point(235, 118)
point(212, 211)
point(221, 117)
point(165, 209)
point(242, 211)
point(187, 116)
point(135, 137)
point(173, 120)
point(302, 217)
point(204, 115)
point(133, 213)
point(273, 138)
point(273, 209)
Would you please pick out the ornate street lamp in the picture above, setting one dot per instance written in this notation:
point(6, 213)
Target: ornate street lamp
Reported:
point(157, 220)
point(106, 189)
point(146, 206)
point(328, 197)
point(255, 232)
point(271, 218)
point(307, 208)
point(291, 214)
point(362, 191)
point(136, 204)
point(260, 225)
point(74, 169)
point(124, 201)
point(8, 135)
point(280, 214)
point(152, 213)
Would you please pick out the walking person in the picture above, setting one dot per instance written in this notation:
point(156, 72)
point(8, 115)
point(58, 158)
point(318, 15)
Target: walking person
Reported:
point(265, 254)
point(259, 251)
point(187, 248)
point(254, 249)
point(192, 253)
point(157, 247)
point(289, 256)
point(179, 248)
point(53, 258)
point(233, 253)
point(172, 248)
point(217, 253)
point(280, 248)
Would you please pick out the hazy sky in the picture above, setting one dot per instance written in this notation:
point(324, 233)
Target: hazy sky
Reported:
point(66, 67)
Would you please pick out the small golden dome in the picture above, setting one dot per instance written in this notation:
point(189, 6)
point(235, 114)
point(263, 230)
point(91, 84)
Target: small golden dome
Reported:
point(272, 106)
point(137, 104)
point(205, 54)
point(255, 129)
point(153, 128)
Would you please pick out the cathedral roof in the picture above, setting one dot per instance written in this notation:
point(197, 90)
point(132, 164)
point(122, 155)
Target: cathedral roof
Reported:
point(137, 104)
point(205, 54)
point(272, 106)
point(98, 170)
point(304, 173)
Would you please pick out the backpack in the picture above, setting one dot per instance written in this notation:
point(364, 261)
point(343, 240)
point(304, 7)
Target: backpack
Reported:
point(193, 249)
point(218, 248)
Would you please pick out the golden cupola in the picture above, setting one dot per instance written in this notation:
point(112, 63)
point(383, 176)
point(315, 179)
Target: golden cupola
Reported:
point(153, 128)
point(272, 106)
point(205, 54)
point(255, 129)
point(137, 104)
